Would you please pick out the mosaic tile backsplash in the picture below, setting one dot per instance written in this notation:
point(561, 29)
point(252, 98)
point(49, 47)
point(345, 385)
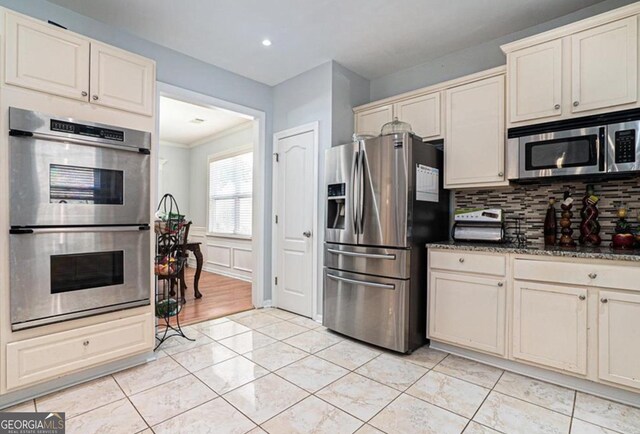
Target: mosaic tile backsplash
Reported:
point(529, 202)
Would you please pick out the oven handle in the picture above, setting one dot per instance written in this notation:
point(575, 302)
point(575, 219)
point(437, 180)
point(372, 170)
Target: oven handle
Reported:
point(602, 145)
point(56, 230)
point(361, 282)
point(95, 142)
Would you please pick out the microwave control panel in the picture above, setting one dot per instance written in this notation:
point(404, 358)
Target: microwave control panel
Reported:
point(86, 130)
point(625, 146)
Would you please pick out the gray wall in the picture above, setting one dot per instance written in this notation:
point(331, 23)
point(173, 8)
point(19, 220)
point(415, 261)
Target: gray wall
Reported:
point(348, 90)
point(175, 175)
point(198, 178)
point(473, 59)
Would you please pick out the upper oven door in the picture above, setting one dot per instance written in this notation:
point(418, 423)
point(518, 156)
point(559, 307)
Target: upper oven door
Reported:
point(65, 183)
point(562, 153)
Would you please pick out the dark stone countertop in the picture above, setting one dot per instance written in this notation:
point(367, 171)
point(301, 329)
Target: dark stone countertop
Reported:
point(602, 252)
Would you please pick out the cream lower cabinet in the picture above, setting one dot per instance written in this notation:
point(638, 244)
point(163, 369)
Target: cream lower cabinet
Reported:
point(467, 310)
point(475, 134)
point(619, 337)
point(550, 325)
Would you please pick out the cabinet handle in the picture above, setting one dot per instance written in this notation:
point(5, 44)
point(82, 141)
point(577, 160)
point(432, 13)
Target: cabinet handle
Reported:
point(501, 284)
point(604, 300)
point(461, 260)
point(592, 275)
point(85, 343)
point(576, 103)
point(84, 93)
point(557, 106)
point(582, 297)
point(501, 174)
point(95, 97)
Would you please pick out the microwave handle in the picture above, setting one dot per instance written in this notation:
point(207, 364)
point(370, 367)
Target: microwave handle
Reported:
point(602, 146)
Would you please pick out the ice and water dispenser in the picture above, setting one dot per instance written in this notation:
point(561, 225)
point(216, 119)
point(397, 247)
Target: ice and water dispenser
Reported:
point(336, 206)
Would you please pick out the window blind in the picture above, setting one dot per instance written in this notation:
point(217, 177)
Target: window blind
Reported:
point(231, 195)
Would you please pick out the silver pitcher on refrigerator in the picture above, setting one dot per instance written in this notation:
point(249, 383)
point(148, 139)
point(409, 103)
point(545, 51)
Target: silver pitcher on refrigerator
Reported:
point(384, 202)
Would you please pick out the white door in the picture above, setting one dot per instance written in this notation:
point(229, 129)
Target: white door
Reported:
point(422, 113)
point(294, 177)
point(550, 325)
point(535, 82)
point(371, 121)
point(122, 80)
point(618, 326)
point(42, 57)
point(605, 66)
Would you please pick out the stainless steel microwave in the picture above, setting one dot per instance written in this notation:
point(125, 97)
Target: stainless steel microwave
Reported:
point(596, 145)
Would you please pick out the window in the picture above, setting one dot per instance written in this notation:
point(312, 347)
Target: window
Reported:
point(231, 195)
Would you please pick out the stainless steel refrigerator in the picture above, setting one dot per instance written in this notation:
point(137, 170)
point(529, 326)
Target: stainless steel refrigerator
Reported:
point(385, 201)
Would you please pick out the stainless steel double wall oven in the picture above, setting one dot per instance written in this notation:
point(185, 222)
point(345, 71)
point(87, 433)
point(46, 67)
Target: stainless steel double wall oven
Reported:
point(79, 216)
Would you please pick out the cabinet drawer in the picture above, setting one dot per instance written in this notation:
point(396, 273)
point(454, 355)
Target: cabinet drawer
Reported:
point(596, 275)
point(47, 357)
point(469, 262)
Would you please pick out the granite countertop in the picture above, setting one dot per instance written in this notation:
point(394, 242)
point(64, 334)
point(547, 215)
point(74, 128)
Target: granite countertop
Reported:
point(601, 252)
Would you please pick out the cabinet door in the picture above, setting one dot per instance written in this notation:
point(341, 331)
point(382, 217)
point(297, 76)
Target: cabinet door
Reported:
point(371, 121)
point(550, 325)
point(619, 338)
point(423, 113)
point(535, 82)
point(122, 80)
point(467, 310)
point(475, 138)
point(42, 57)
point(605, 66)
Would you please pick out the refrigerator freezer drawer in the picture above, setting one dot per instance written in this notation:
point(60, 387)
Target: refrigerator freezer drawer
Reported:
point(371, 309)
point(368, 260)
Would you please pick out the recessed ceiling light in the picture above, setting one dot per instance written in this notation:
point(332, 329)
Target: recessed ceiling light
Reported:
point(196, 120)
point(266, 42)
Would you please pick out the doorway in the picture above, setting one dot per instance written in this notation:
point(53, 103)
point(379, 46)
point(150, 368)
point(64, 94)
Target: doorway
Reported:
point(211, 159)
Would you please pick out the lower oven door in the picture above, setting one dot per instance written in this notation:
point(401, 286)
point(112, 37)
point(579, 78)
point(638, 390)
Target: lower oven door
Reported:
point(368, 308)
point(63, 273)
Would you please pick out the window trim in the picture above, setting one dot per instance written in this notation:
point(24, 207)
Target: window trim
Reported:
point(230, 153)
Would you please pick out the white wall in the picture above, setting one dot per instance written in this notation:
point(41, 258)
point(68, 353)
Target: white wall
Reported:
point(174, 174)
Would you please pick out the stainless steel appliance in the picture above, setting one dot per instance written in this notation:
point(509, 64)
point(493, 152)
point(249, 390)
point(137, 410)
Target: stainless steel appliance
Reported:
point(79, 214)
point(594, 145)
point(384, 202)
point(478, 224)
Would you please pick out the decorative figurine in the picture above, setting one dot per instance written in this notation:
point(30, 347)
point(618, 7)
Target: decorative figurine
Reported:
point(565, 222)
point(550, 224)
point(589, 227)
point(623, 238)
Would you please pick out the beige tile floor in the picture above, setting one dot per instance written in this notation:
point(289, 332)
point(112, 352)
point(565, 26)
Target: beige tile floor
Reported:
point(271, 371)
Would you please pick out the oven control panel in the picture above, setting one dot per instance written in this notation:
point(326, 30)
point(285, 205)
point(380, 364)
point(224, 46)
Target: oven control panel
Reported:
point(625, 146)
point(86, 130)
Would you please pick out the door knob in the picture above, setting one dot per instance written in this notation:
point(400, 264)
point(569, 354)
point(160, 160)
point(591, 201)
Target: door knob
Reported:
point(557, 106)
point(307, 234)
point(576, 103)
point(95, 97)
point(84, 93)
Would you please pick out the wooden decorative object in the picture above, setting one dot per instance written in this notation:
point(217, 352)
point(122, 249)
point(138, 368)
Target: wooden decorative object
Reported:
point(589, 226)
point(565, 222)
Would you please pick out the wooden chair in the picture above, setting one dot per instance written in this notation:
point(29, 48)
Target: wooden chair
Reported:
point(182, 255)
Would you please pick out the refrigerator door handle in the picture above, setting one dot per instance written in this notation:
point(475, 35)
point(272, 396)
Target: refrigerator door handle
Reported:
point(362, 255)
point(354, 193)
point(361, 193)
point(361, 282)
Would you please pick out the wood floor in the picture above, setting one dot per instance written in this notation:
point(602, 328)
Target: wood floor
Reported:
point(221, 296)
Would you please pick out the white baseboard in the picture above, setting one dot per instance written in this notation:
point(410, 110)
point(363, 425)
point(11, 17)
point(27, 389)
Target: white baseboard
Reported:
point(579, 384)
point(210, 269)
point(267, 303)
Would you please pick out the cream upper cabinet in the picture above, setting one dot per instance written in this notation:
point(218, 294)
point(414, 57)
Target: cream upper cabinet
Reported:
point(604, 66)
point(42, 57)
point(550, 325)
point(423, 113)
point(535, 82)
point(468, 310)
point(121, 80)
point(370, 121)
point(475, 134)
point(619, 337)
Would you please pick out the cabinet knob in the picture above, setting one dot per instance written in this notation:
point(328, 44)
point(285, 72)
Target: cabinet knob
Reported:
point(84, 93)
point(557, 106)
point(582, 297)
point(95, 97)
point(500, 174)
point(461, 260)
point(307, 234)
point(501, 284)
point(604, 300)
point(576, 103)
point(592, 275)
point(85, 343)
